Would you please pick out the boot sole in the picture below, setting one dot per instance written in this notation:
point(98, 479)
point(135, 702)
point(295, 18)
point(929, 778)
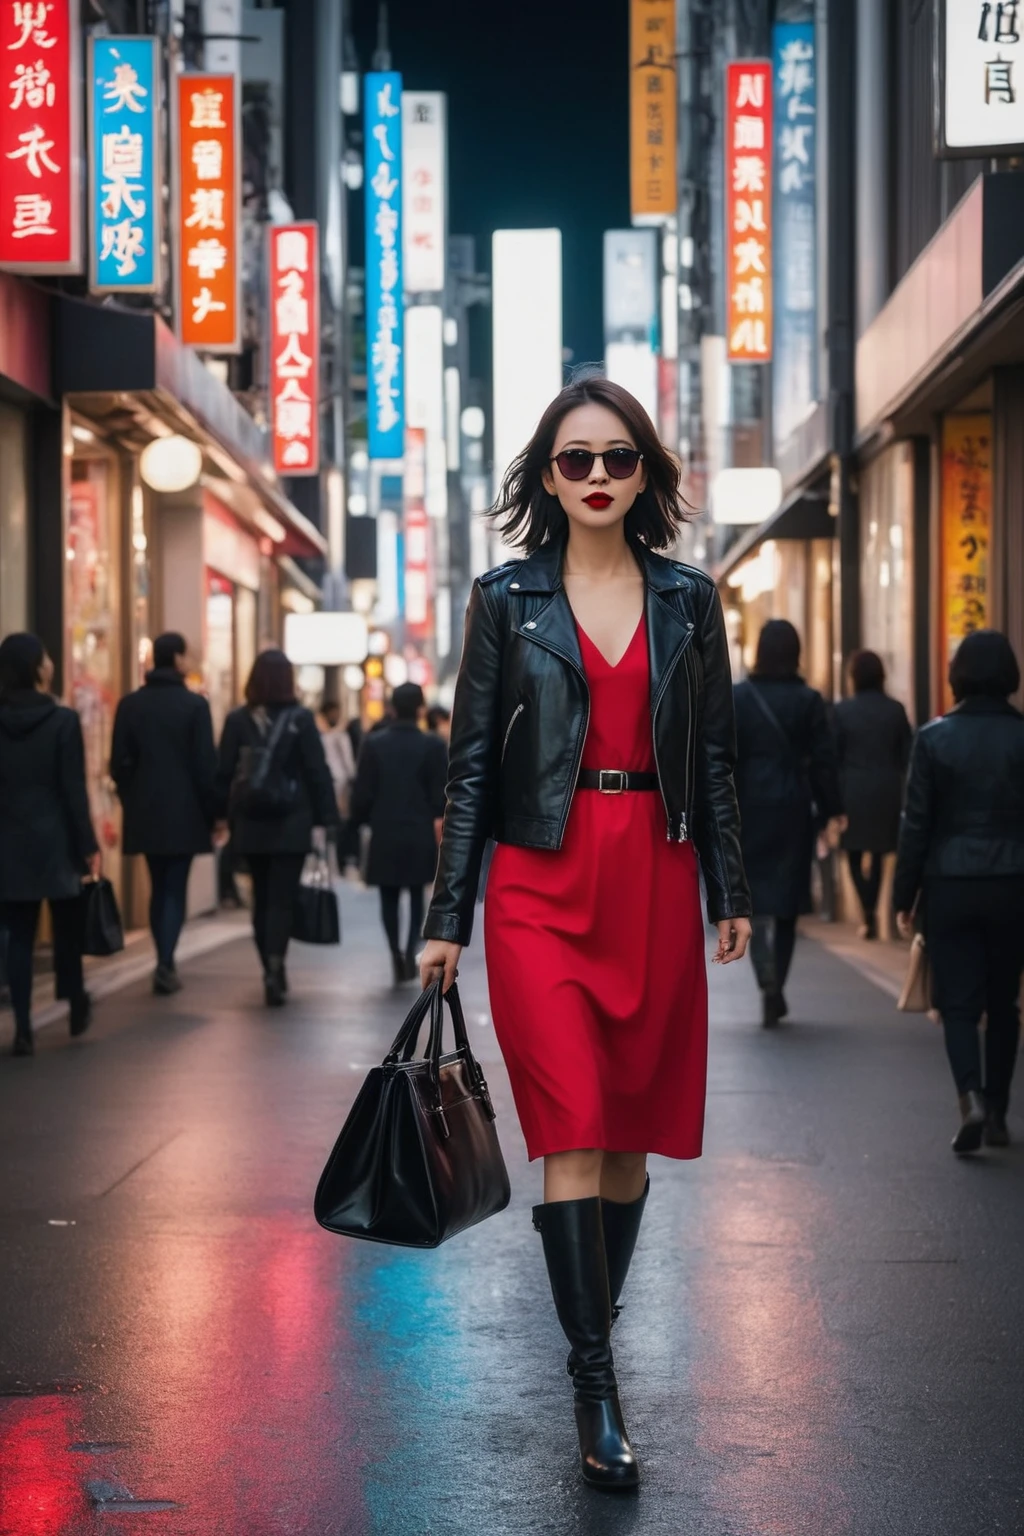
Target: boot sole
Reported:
point(628, 1483)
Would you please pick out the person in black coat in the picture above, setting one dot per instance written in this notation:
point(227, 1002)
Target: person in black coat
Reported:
point(960, 865)
point(47, 842)
point(873, 738)
point(163, 763)
point(274, 785)
point(787, 783)
point(399, 792)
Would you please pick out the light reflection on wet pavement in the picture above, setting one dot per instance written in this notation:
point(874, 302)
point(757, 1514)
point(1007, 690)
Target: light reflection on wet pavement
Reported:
point(821, 1332)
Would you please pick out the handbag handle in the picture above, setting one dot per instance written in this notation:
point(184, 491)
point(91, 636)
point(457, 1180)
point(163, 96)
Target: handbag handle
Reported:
point(432, 1001)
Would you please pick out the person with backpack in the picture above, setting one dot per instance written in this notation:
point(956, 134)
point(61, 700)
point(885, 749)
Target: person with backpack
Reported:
point(275, 787)
point(162, 760)
point(47, 842)
point(787, 784)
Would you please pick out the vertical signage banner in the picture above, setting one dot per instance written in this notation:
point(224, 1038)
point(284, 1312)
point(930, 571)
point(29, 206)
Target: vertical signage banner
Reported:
point(209, 212)
point(384, 265)
point(653, 106)
point(417, 608)
point(40, 150)
point(795, 370)
point(294, 274)
point(748, 210)
point(423, 190)
point(966, 526)
point(125, 172)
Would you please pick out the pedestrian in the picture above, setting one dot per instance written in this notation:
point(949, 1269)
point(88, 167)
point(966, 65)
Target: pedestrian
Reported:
point(960, 867)
point(338, 751)
point(439, 721)
point(47, 842)
point(873, 738)
point(163, 763)
point(274, 786)
point(399, 794)
point(787, 782)
point(592, 736)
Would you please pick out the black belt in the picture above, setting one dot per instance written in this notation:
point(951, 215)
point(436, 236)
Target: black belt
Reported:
point(613, 781)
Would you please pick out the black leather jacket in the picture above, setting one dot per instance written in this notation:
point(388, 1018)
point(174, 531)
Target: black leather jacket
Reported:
point(521, 712)
point(964, 815)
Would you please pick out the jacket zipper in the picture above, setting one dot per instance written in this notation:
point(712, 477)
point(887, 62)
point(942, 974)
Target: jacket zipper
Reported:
point(508, 732)
point(581, 739)
point(684, 832)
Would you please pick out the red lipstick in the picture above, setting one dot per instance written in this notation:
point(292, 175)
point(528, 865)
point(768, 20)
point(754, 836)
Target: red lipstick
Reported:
point(598, 500)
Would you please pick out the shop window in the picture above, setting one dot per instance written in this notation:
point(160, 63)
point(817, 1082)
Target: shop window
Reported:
point(219, 648)
point(887, 565)
point(14, 609)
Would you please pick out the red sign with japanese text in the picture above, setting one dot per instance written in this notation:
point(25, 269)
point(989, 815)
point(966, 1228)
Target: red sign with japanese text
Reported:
point(208, 216)
point(748, 210)
point(294, 269)
point(40, 166)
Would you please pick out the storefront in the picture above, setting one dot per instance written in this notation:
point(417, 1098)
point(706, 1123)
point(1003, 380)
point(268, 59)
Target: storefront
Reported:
point(25, 387)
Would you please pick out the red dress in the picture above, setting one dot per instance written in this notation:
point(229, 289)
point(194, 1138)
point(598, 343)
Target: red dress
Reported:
point(595, 953)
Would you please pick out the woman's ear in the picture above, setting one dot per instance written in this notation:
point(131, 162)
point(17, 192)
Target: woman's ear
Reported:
point(547, 480)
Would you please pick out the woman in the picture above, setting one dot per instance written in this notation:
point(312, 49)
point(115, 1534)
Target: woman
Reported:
point(399, 794)
point(275, 787)
point(961, 866)
point(873, 738)
point(592, 736)
point(47, 843)
point(788, 785)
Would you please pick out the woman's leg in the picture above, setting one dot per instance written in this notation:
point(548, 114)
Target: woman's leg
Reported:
point(873, 884)
point(283, 882)
point(22, 919)
point(390, 895)
point(623, 1176)
point(415, 918)
point(259, 872)
point(572, 1175)
point(785, 943)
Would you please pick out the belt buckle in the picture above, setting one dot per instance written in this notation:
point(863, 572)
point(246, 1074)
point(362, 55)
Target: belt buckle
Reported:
point(611, 773)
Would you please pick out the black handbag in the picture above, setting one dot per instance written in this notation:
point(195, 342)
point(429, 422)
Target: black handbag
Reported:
point(418, 1157)
point(315, 915)
point(102, 932)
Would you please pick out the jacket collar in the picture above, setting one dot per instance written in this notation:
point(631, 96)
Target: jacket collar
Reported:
point(982, 704)
point(164, 677)
point(542, 571)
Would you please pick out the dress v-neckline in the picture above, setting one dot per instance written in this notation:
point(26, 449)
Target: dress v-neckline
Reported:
point(612, 666)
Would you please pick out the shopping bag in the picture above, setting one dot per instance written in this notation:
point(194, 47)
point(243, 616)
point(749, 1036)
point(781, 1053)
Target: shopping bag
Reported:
point(102, 932)
point(315, 915)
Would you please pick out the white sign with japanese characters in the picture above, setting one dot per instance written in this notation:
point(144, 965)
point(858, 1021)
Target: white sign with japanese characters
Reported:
point(423, 190)
point(983, 76)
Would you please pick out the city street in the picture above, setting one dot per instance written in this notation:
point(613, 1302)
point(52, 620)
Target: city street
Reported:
point(821, 1332)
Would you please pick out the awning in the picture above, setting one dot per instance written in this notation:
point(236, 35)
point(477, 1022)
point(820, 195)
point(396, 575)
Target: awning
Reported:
point(803, 515)
point(128, 363)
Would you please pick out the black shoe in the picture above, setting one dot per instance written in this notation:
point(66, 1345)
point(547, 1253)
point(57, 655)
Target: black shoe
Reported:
point(972, 1128)
point(166, 981)
point(81, 1014)
point(24, 1044)
point(621, 1221)
point(996, 1131)
point(572, 1232)
point(399, 973)
point(773, 1008)
point(274, 987)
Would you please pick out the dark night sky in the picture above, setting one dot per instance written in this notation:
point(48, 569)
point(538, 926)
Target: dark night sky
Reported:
point(538, 125)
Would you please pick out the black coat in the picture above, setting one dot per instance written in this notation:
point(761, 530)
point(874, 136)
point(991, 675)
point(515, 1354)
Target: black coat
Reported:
point(46, 833)
point(399, 793)
point(785, 792)
point(964, 817)
point(873, 737)
point(520, 719)
point(301, 756)
point(163, 763)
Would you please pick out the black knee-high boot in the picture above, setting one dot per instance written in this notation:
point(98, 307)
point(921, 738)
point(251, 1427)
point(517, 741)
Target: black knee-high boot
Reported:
point(572, 1232)
point(621, 1220)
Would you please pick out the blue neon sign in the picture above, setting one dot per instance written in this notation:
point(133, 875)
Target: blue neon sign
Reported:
point(385, 359)
point(795, 365)
point(124, 168)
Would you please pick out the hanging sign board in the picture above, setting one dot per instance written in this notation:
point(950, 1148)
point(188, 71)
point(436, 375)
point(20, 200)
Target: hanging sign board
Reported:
point(125, 175)
point(981, 78)
point(294, 280)
point(40, 144)
point(423, 191)
point(208, 212)
point(966, 489)
point(748, 210)
point(384, 344)
point(653, 91)
point(795, 108)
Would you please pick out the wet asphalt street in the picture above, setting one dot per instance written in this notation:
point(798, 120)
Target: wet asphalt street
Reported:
point(822, 1331)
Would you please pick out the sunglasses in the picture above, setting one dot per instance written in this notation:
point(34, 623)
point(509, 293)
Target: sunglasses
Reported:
point(619, 463)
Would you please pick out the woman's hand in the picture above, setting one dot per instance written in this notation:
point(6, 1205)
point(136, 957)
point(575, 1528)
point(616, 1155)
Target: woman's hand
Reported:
point(94, 864)
point(733, 938)
point(439, 956)
point(905, 924)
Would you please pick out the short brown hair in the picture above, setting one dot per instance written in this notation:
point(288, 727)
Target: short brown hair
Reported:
point(271, 681)
point(529, 516)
